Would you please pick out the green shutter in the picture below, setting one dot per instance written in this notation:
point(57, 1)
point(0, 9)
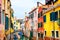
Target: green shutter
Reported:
point(31, 34)
point(39, 15)
point(6, 22)
point(39, 25)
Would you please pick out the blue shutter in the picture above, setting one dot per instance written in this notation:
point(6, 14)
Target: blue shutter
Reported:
point(6, 22)
point(44, 17)
point(53, 16)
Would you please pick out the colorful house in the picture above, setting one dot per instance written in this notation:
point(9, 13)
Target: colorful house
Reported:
point(40, 22)
point(16, 24)
point(33, 15)
point(2, 21)
point(52, 21)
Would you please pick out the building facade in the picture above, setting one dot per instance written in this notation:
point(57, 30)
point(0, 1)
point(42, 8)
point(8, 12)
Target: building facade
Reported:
point(2, 21)
point(52, 21)
point(5, 18)
point(33, 15)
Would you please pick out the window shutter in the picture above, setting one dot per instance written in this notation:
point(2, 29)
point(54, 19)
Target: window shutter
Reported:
point(57, 34)
point(6, 22)
point(53, 16)
point(44, 17)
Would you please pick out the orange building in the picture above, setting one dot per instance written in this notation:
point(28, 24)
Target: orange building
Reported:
point(40, 23)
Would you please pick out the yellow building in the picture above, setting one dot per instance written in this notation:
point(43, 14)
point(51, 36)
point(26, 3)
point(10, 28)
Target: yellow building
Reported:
point(8, 15)
point(51, 21)
point(11, 29)
point(16, 24)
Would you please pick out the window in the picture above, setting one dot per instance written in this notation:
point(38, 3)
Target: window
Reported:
point(38, 34)
point(14, 22)
point(54, 16)
point(31, 33)
point(32, 15)
point(41, 35)
point(11, 24)
point(57, 34)
point(53, 34)
point(45, 33)
point(40, 14)
point(40, 24)
point(6, 23)
point(44, 17)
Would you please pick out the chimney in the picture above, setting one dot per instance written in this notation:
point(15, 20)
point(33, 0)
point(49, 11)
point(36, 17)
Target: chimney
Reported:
point(37, 4)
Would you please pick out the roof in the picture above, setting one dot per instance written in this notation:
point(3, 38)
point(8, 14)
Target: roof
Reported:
point(32, 10)
point(51, 8)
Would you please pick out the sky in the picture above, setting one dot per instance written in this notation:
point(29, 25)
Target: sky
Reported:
point(22, 6)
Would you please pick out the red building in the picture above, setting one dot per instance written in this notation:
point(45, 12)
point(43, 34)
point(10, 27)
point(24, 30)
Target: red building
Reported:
point(40, 23)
